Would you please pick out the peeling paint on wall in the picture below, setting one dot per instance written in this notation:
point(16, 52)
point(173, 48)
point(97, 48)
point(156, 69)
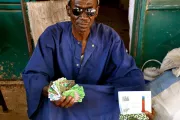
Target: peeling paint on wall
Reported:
point(8, 70)
point(1, 67)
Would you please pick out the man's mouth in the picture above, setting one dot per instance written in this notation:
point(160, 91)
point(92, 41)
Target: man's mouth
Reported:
point(83, 25)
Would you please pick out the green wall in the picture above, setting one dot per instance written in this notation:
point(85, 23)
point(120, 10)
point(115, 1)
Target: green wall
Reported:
point(13, 46)
point(156, 29)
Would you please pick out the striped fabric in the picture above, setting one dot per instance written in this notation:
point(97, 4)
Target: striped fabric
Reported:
point(166, 96)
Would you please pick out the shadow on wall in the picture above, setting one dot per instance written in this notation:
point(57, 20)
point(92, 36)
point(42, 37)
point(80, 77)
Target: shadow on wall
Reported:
point(114, 13)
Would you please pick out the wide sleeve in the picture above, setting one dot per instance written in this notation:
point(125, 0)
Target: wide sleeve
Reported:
point(39, 71)
point(121, 70)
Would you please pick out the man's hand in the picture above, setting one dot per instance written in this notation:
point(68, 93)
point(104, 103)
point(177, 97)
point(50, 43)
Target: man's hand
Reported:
point(45, 91)
point(150, 115)
point(64, 102)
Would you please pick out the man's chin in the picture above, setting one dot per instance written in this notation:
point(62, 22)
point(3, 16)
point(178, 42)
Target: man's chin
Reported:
point(83, 30)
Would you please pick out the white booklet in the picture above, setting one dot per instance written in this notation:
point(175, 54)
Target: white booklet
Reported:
point(134, 102)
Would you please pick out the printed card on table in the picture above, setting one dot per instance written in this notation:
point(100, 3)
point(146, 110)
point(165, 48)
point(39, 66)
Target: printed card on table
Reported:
point(134, 102)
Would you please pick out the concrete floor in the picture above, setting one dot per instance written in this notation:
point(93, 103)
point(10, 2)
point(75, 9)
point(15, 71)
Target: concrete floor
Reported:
point(15, 98)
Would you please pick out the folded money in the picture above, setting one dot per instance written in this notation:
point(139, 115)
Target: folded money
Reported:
point(64, 87)
point(77, 92)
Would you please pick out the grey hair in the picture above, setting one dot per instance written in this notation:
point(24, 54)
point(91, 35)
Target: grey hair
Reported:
point(97, 1)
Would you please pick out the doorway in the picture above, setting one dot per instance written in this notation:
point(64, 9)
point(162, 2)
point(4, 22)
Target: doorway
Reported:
point(114, 13)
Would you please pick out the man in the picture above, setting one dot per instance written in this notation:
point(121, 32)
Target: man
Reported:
point(91, 54)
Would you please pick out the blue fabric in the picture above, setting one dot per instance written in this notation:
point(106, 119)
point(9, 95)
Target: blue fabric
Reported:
point(147, 81)
point(161, 83)
point(105, 64)
point(93, 107)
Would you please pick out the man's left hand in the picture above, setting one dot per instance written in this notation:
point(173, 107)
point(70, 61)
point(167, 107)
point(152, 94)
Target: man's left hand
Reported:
point(150, 115)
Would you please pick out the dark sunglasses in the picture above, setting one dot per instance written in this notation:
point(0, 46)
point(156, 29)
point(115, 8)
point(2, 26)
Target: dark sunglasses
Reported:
point(89, 11)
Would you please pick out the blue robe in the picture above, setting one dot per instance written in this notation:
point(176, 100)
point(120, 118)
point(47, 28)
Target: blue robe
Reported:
point(105, 69)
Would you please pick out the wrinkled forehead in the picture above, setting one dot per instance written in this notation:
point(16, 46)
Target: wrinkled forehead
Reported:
point(84, 3)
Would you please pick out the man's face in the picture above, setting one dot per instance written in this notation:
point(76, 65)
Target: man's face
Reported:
point(83, 14)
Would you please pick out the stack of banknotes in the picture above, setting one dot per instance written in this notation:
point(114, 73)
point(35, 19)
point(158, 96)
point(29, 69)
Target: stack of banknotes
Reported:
point(64, 87)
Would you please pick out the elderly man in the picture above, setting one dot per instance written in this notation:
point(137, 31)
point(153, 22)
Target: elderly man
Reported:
point(93, 55)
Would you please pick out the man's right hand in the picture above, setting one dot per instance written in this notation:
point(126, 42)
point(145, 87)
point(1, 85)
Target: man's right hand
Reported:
point(64, 102)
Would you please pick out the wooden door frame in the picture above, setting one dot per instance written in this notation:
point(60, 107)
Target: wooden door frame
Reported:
point(137, 30)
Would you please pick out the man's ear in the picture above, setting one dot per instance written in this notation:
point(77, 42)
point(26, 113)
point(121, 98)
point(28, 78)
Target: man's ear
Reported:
point(97, 11)
point(68, 10)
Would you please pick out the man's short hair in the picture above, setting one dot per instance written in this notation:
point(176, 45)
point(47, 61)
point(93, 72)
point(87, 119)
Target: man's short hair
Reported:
point(69, 2)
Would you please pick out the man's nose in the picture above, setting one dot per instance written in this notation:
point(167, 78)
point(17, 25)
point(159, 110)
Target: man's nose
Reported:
point(84, 15)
